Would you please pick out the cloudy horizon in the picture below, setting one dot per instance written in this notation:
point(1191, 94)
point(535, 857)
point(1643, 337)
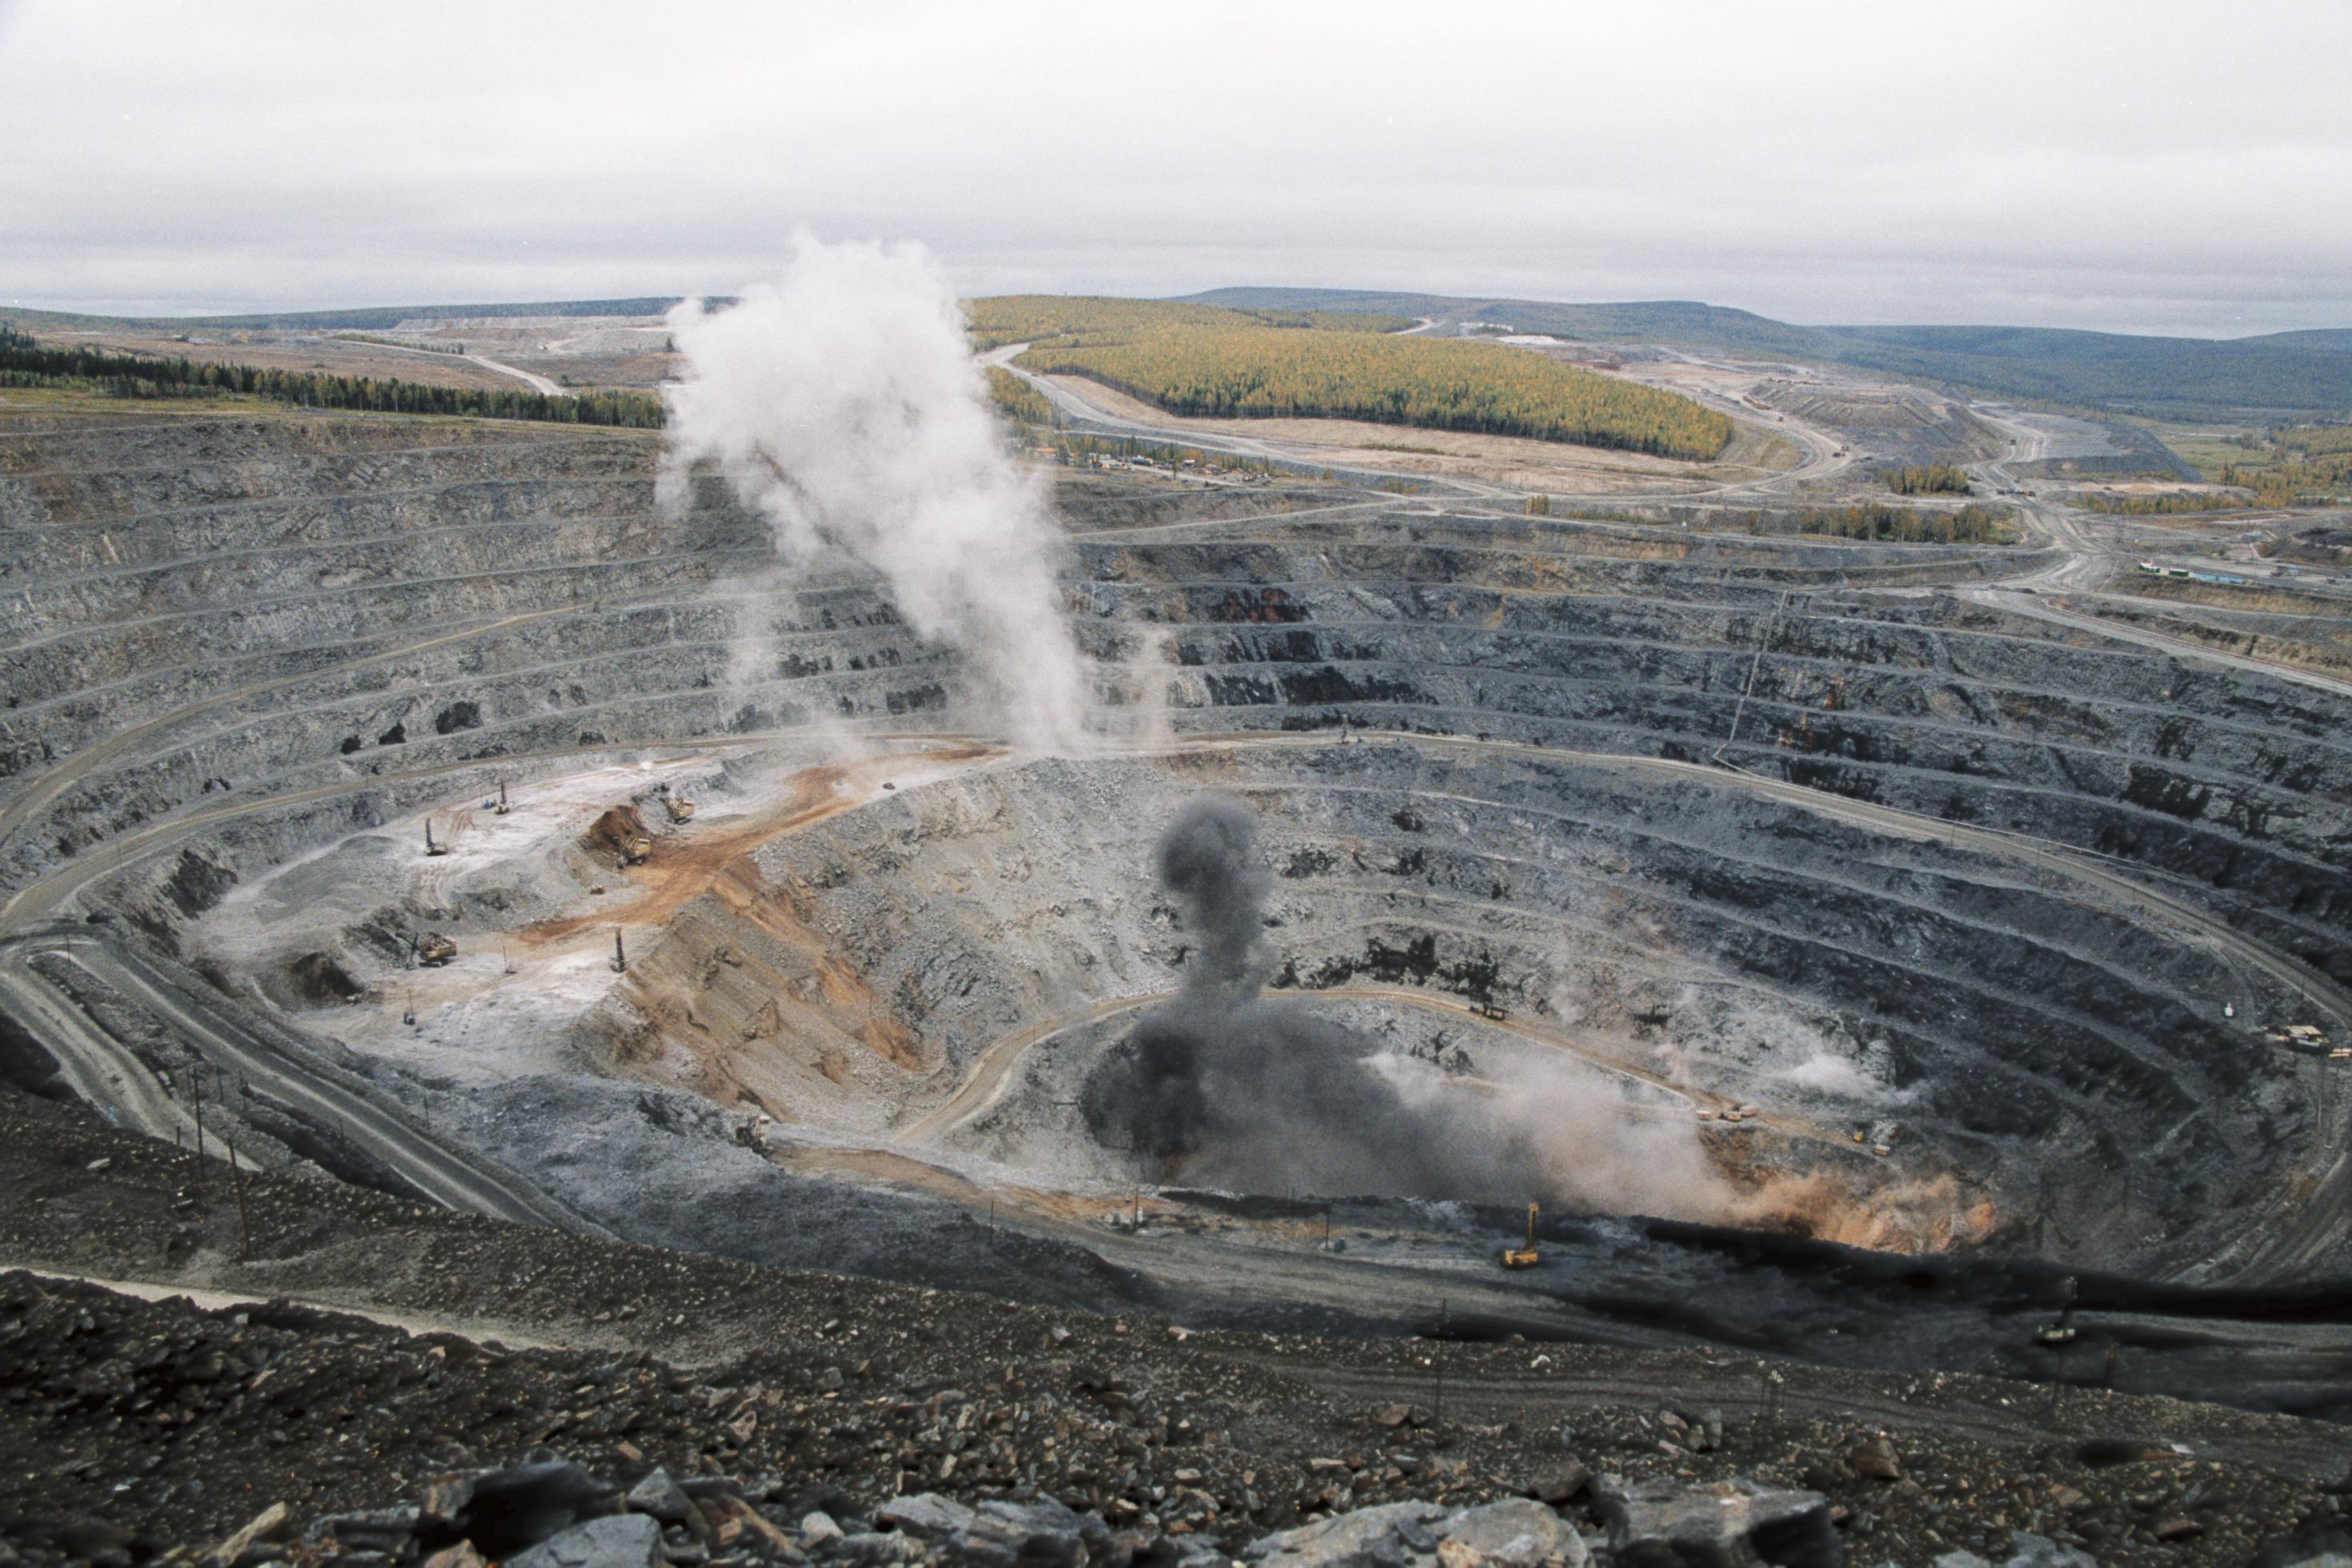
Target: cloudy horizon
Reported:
point(2148, 168)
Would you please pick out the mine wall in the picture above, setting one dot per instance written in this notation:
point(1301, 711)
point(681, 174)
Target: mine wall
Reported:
point(2008, 1027)
point(2237, 781)
point(400, 615)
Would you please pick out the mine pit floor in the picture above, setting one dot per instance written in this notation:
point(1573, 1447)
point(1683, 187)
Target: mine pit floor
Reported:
point(508, 1005)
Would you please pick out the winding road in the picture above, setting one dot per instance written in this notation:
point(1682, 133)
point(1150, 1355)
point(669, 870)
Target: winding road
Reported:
point(288, 1074)
point(1821, 448)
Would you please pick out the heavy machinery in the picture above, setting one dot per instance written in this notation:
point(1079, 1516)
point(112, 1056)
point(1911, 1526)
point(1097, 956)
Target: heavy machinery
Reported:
point(2060, 1334)
point(432, 949)
point(635, 850)
point(501, 808)
point(681, 809)
point(430, 847)
point(1524, 1257)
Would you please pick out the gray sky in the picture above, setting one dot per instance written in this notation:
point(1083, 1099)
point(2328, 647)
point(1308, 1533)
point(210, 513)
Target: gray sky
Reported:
point(2139, 167)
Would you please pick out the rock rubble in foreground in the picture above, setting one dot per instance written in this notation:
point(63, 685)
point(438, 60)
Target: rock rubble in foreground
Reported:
point(131, 1429)
point(133, 1432)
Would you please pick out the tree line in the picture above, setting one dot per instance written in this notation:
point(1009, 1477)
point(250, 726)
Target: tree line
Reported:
point(1195, 360)
point(1016, 399)
point(25, 362)
point(1928, 478)
point(1068, 318)
point(457, 348)
point(2167, 505)
point(1884, 523)
point(2303, 465)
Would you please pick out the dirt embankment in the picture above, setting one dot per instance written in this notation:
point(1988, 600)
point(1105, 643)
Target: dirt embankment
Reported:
point(734, 954)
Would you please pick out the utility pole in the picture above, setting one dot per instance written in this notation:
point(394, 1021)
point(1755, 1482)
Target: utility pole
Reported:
point(236, 1185)
point(196, 1087)
point(1437, 1358)
point(620, 958)
point(2319, 1065)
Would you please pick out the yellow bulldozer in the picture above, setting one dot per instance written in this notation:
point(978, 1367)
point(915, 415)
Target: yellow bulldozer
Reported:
point(1524, 1257)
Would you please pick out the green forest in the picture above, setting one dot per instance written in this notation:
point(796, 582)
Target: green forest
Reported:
point(1017, 399)
point(1072, 319)
point(1882, 522)
point(1928, 478)
point(2301, 465)
point(24, 362)
point(1207, 361)
point(2170, 503)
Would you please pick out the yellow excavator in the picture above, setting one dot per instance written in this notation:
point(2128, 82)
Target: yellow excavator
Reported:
point(432, 949)
point(681, 809)
point(1524, 1257)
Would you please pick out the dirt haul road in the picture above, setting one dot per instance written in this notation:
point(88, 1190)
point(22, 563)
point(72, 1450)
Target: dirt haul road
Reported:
point(1821, 448)
point(292, 1077)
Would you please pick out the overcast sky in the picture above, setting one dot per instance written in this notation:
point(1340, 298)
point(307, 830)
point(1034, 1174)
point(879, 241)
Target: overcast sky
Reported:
point(2139, 167)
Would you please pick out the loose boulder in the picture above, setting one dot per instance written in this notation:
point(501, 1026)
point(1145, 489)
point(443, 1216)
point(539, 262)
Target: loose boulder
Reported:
point(616, 1540)
point(1729, 1524)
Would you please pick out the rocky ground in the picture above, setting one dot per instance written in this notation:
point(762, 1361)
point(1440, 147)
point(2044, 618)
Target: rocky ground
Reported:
point(131, 1427)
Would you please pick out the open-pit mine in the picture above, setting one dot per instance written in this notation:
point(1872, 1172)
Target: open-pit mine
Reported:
point(1889, 953)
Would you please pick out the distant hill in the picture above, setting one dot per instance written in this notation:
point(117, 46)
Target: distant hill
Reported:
point(2330, 339)
point(2282, 374)
point(2277, 376)
point(372, 317)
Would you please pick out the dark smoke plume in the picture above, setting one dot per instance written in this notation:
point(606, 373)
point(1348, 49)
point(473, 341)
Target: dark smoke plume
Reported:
point(1208, 859)
point(1221, 1087)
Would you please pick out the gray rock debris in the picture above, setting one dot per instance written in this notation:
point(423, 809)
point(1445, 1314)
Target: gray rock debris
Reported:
point(527, 1503)
point(1516, 1533)
point(617, 1541)
point(1729, 1524)
point(2323, 1542)
point(384, 1529)
point(2031, 1551)
point(659, 1497)
point(999, 1532)
point(268, 1525)
point(926, 1514)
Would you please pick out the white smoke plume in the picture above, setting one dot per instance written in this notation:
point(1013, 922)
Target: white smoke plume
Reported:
point(841, 402)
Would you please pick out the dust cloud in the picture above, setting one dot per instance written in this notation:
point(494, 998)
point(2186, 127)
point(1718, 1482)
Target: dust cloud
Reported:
point(1225, 1088)
point(841, 402)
